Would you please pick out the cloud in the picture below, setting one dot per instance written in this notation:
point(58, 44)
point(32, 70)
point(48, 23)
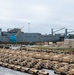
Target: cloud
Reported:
point(42, 14)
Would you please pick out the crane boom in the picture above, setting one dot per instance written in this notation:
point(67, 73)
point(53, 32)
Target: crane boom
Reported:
point(19, 31)
point(59, 29)
point(71, 32)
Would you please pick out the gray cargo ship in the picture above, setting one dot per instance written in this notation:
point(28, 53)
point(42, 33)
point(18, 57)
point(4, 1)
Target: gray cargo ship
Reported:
point(16, 35)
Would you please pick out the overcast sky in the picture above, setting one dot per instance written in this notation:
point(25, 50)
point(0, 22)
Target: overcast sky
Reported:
point(41, 14)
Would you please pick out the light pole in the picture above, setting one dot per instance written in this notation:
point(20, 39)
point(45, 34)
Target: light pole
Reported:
point(28, 32)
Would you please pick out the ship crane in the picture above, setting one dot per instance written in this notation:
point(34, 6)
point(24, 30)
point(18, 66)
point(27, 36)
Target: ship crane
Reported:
point(56, 30)
point(19, 31)
point(66, 32)
point(13, 37)
point(70, 32)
